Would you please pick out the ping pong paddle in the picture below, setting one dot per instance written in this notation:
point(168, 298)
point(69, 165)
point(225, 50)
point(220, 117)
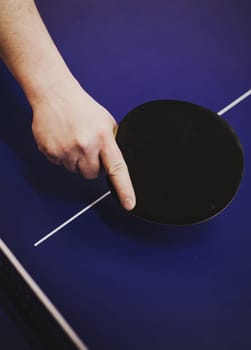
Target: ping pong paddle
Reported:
point(184, 160)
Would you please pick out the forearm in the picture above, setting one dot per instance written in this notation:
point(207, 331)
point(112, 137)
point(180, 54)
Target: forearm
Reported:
point(28, 50)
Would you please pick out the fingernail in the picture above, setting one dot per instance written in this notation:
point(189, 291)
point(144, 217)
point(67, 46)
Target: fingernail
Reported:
point(129, 203)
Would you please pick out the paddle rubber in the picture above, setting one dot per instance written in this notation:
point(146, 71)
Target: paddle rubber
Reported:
point(185, 161)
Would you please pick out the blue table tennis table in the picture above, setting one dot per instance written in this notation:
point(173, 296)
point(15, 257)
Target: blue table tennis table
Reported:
point(87, 273)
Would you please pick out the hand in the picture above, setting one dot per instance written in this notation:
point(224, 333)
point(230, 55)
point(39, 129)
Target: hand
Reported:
point(73, 130)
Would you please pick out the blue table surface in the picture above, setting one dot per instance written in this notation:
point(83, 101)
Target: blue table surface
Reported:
point(120, 282)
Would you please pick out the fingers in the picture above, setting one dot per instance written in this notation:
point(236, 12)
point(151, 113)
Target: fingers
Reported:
point(70, 163)
point(79, 143)
point(89, 166)
point(116, 169)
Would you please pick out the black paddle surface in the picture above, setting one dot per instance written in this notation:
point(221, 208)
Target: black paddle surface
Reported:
point(185, 161)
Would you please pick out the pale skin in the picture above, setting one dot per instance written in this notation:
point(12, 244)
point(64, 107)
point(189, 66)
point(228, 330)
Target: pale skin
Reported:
point(69, 126)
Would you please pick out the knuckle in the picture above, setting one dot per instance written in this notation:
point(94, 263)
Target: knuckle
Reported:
point(104, 130)
point(89, 171)
point(51, 153)
point(82, 144)
point(64, 152)
point(54, 153)
point(106, 133)
point(116, 169)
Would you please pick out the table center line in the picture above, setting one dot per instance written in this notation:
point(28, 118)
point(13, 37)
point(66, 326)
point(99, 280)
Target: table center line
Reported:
point(89, 206)
point(60, 227)
point(234, 103)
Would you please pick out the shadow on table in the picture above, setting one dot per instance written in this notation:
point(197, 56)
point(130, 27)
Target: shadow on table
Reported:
point(124, 223)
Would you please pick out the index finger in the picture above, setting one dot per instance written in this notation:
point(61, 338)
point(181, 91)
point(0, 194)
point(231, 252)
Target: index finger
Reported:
point(116, 168)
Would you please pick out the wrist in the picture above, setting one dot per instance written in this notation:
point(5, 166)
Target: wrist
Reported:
point(45, 83)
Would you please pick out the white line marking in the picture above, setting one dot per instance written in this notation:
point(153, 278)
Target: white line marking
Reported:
point(221, 112)
point(42, 297)
point(72, 218)
point(235, 102)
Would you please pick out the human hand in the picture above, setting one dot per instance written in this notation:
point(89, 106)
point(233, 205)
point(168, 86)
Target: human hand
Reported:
point(73, 130)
